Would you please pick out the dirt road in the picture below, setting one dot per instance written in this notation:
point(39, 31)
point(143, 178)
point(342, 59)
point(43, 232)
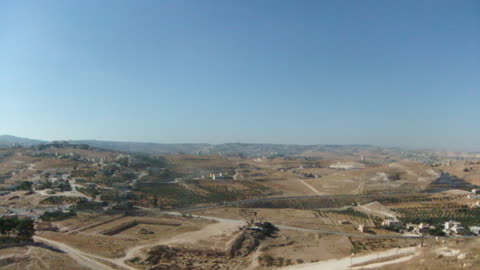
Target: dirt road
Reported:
point(84, 259)
point(382, 213)
point(310, 187)
point(285, 227)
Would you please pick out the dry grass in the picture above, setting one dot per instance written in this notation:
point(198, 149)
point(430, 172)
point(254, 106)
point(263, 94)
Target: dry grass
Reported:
point(309, 247)
point(92, 241)
point(308, 219)
point(54, 163)
point(42, 259)
point(466, 256)
point(111, 247)
point(401, 176)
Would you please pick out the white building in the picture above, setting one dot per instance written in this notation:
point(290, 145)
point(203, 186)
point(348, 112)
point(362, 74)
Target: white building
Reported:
point(475, 230)
point(453, 227)
point(391, 223)
point(420, 228)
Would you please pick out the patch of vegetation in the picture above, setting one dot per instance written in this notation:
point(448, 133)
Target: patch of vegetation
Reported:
point(314, 203)
point(25, 185)
point(116, 196)
point(4, 177)
point(109, 180)
point(225, 192)
point(347, 211)
point(110, 169)
point(173, 195)
point(52, 200)
point(57, 215)
point(144, 161)
point(266, 260)
point(57, 200)
point(392, 200)
point(87, 173)
point(85, 204)
point(160, 175)
point(89, 191)
point(439, 215)
point(61, 184)
point(23, 227)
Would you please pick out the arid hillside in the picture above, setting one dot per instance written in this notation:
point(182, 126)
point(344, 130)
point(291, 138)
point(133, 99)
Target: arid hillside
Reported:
point(394, 177)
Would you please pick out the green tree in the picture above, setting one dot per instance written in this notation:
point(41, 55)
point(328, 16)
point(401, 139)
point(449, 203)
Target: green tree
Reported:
point(9, 225)
point(25, 185)
point(25, 228)
point(155, 201)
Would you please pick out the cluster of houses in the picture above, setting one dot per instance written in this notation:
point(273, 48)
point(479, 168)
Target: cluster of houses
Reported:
point(450, 227)
point(422, 228)
point(70, 155)
point(215, 176)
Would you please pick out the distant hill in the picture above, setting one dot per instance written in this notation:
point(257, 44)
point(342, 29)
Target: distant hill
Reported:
point(9, 140)
point(150, 148)
point(245, 149)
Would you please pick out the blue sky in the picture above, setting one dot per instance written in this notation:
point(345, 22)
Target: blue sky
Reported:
point(402, 73)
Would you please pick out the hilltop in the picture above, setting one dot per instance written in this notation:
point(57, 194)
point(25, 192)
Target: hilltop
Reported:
point(9, 141)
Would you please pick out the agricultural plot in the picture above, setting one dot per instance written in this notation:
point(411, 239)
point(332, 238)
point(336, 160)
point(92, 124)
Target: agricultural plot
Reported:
point(178, 195)
point(162, 195)
point(233, 190)
point(440, 214)
point(348, 216)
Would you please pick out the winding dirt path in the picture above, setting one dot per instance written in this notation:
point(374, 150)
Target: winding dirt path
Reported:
point(310, 187)
point(384, 213)
point(85, 259)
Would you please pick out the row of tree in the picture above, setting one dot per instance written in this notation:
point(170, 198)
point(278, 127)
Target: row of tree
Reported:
point(21, 227)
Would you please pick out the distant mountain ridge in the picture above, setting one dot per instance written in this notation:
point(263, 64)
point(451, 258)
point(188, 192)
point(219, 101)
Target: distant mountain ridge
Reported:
point(247, 149)
point(9, 141)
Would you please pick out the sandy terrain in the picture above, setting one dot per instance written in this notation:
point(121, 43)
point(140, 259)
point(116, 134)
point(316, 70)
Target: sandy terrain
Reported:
point(293, 217)
point(346, 262)
point(37, 258)
point(293, 245)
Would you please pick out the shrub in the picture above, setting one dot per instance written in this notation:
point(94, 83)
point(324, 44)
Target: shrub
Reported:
point(57, 215)
point(269, 260)
point(25, 185)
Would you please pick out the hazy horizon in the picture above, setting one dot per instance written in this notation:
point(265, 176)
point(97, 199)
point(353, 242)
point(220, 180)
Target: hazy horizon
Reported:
point(400, 74)
point(406, 147)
